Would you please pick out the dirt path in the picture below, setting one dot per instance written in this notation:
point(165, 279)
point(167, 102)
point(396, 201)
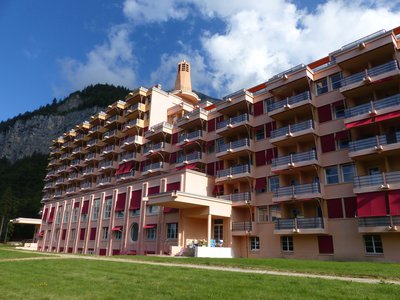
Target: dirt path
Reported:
point(211, 268)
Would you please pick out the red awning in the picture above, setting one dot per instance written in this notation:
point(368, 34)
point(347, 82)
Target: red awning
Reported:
point(371, 204)
point(117, 228)
point(388, 116)
point(149, 226)
point(136, 199)
point(124, 168)
point(120, 206)
point(359, 123)
point(394, 202)
point(187, 167)
point(46, 211)
point(41, 233)
point(85, 207)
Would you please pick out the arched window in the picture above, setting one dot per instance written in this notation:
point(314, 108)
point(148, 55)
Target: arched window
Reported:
point(134, 231)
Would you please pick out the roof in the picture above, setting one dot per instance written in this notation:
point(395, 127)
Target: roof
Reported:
point(26, 221)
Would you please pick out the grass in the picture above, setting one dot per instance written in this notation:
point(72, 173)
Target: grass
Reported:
point(353, 269)
point(86, 279)
point(10, 253)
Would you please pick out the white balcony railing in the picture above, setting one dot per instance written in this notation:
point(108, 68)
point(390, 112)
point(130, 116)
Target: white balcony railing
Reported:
point(233, 120)
point(299, 223)
point(294, 158)
point(241, 226)
point(153, 167)
point(372, 106)
point(233, 145)
point(290, 129)
point(242, 169)
point(239, 197)
point(190, 135)
point(305, 96)
point(294, 190)
point(381, 180)
point(188, 157)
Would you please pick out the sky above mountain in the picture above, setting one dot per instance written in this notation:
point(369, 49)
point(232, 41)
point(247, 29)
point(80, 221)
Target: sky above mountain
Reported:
point(52, 48)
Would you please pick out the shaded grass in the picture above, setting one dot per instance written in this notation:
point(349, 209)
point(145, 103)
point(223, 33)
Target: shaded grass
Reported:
point(88, 279)
point(9, 253)
point(337, 268)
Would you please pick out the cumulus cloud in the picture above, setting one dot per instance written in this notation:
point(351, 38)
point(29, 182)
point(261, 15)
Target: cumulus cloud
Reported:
point(112, 62)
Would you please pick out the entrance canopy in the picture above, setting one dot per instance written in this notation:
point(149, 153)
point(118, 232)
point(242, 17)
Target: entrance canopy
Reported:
point(26, 221)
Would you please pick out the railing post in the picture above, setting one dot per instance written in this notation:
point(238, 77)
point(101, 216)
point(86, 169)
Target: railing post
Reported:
point(295, 224)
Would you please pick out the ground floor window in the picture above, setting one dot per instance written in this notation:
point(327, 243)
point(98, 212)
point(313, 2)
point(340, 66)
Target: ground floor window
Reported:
point(172, 230)
point(135, 212)
point(119, 214)
point(254, 243)
point(118, 234)
point(151, 233)
point(287, 243)
point(373, 244)
point(218, 230)
point(134, 232)
point(104, 233)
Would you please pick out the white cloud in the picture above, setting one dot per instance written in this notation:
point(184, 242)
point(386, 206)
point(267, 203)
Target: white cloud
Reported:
point(111, 62)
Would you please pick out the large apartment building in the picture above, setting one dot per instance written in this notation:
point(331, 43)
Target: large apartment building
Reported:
point(304, 165)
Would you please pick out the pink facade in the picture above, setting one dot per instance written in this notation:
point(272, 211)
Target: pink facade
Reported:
point(303, 166)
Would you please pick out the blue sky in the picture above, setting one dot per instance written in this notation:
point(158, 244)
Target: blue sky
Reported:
point(52, 48)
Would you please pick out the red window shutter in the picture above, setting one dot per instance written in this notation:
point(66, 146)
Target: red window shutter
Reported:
point(338, 103)
point(271, 153)
point(76, 204)
point(210, 169)
point(211, 125)
point(153, 190)
point(324, 113)
point(173, 186)
point(342, 135)
point(116, 252)
point(219, 165)
point(51, 216)
point(328, 143)
point(335, 208)
point(92, 233)
point(258, 108)
point(85, 207)
point(136, 200)
point(64, 234)
point(261, 183)
point(175, 138)
point(210, 144)
point(46, 211)
point(350, 207)
point(260, 158)
point(172, 158)
point(169, 210)
point(259, 130)
point(371, 204)
point(82, 234)
point(394, 202)
point(102, 252)
point(325, 244)
point(269, 127)
point(120, 206)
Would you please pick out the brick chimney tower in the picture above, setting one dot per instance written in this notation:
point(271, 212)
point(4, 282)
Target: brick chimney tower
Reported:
point(183, 82)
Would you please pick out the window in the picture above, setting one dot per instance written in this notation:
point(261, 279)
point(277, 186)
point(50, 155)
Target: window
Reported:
point(331, 175)
point(274, 212)
point(259, 132)
point(172, 230)
point(254, 243)
point(59, 213)
point(104, 233)
point(96, 208)
point(348, 172)
point(273, 182)
point(75, 215)
point(119, 214)
point(287, 243)
point(152, 210)
point(373, 244)
point(107, 210)
point(118, 235)
point(135, 212)
point(263, 214)
point(134, 232)
point(322, 86)
point(338, 111)
point(336, 80)
point(343, 144)
point(151, 233)
point(56, 235)
point(66, 213)
point(84, 218)
point(72, 235)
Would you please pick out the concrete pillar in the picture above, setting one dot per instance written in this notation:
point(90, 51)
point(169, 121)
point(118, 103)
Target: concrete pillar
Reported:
point(208, 229)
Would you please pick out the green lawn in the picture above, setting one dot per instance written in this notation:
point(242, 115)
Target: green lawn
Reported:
point(87, 279)
point(353, 269)
point(9, 253)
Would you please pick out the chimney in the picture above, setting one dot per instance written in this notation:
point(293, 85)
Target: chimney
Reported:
point(183, 81)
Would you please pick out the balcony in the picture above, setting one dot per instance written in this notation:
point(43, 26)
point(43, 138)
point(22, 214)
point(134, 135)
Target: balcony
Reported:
point(94, 142)
point(64, 156)
point(233, 122)
point(130, 141)
point(126, 156)
point(58, 194)
point(376, 144)
point(76, 162)
point(379, 224)
point(91, 156)
point(73, 176)
point(125, 176)
point(68, 144)
point(237, 198)
point(300, 226)
point(132, 124)
point(190, 158)
point(195, 115)
point(107, 164)
point(97, 128)
point(377, 182)
point(289, 103)
point(292, 132)
point(297, 192)
point(232, 173)
point(88, 171)
point(62, 168)
point(241, 228)
point(77, 150)
point(72, 190)
point(135, 108)
point(109, 149)
point(111, 134)
point(104, 181)
point(150, 148)
point(234, 147)
point(155, 167)
point(87, 185)
point(114, 119)
point(369, 76)
point(189, 137)
point(160, 128)
point(61, 181)
point(296, 160)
